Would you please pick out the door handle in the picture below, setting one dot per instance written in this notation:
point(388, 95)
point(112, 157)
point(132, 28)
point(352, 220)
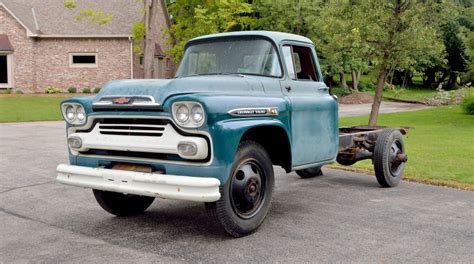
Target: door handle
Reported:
point(288, 88)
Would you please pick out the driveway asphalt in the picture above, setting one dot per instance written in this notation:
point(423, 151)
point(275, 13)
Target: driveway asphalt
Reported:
point(385, 107)
point(338, 217)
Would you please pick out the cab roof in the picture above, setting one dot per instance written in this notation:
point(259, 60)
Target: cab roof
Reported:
point(276, 37)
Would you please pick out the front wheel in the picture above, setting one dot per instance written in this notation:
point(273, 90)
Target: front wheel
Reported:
point(246, 196)
point(120, 204)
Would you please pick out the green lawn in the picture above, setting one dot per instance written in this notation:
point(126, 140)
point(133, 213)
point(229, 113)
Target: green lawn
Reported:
point(19, 108)
point(440, 145)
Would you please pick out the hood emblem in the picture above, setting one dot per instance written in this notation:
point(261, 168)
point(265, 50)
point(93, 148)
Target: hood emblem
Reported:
point(122, 100)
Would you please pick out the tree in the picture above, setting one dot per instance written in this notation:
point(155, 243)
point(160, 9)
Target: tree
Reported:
point(195, 18)
point(398, 31)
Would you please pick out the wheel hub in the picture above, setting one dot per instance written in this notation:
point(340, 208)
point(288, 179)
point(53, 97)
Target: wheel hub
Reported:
point(246, 189)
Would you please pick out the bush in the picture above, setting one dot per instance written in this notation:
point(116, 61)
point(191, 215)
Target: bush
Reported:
point(52, 90)
point(96, 89)
point(366, 87)
point(72, 89)
point(468, 104)
point(339, 91)
point(86, 90)
point(19, 92)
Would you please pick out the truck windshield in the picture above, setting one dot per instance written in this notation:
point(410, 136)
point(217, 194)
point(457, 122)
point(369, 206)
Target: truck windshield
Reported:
point(231, 56)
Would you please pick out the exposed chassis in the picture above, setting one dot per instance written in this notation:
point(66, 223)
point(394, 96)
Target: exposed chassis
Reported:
point(384, 146)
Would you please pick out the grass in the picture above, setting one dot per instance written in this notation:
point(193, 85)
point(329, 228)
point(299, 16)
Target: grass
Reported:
point(440, 146)
point(21, 108)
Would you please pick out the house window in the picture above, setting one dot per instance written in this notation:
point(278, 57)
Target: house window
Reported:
point(6, 78)
point(83, 60)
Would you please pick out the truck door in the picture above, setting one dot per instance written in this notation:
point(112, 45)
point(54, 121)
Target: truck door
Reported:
point(314, 120)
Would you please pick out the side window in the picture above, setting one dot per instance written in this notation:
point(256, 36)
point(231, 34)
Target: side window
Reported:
point(304, 66)
point(288, 57)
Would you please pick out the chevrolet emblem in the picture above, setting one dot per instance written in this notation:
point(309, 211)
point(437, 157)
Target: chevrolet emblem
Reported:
point(122, 100)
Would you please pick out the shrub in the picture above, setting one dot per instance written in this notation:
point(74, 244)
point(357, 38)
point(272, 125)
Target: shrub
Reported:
point(19, 92)
point(96, 89)
point(468, 104)
point(86, 90)
point(72, 89)
point(52, 90)
point(366, 87)
point(340, 91)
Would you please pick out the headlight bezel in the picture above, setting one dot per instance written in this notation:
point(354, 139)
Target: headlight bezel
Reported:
point(78, 108)
point(190, 122)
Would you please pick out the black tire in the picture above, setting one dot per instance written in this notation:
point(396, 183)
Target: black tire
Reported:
point(310, 172)
point(387, 169)
point(345, 162)
point(120, 204)
point(246, 196)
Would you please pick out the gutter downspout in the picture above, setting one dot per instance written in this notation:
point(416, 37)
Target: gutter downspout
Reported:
point(131, 57)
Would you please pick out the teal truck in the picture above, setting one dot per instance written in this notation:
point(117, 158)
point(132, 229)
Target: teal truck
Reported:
point(240, 103)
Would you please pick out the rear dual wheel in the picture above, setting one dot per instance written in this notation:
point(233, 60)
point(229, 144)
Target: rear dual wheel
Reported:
point(389, 157)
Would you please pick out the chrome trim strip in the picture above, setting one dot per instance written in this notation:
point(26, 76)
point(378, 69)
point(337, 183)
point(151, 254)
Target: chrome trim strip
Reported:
point(254, 111)
point(102, 101)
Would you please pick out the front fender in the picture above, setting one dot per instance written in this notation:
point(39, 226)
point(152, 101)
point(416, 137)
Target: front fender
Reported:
point(227, 134)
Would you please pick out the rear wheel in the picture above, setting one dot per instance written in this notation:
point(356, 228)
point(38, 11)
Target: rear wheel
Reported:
point(310, 172)
point(246, 196)
point(120, 204)
point(389, 157)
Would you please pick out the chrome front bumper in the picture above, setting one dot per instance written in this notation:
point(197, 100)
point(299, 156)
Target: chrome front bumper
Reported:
point(198, 189)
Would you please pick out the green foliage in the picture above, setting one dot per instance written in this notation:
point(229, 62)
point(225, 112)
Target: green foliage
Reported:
point(18, 92)
point(95, 16)
point(96, 90)
point(138, 35)
point(340, 91)
point(366, 87)
point(468, 104)
point(72, 89)
point(196, 18)
point(86, 90)
point(70, 4)
point(52, 90)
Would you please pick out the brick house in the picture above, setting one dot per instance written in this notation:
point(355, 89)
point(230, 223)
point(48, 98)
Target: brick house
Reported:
point(42, 44)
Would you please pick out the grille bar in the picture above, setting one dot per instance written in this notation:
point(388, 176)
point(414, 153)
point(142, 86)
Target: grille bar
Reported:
point(131, 129)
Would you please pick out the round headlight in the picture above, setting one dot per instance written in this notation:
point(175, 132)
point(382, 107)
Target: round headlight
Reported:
point(70, 113)
point(182, 113)
point(81, 115)
point(197, 114)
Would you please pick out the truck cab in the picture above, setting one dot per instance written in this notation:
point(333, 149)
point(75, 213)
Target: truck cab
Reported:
point(240, 103)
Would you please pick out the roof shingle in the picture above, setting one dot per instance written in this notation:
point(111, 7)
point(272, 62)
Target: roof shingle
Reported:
point(54, 19)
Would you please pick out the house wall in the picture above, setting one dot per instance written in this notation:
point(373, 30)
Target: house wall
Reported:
point(41, 62)
point(23, 55)
point(52, 59)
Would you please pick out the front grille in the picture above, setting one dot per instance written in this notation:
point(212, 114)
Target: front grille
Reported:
point(131, 130)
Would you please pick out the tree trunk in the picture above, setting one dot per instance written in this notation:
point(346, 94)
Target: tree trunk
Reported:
point(342, 80)
point(152, 34)
point(355, 81)
point(374, 112)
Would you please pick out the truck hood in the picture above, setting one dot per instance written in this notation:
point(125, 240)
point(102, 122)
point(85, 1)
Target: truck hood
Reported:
point(161, 89)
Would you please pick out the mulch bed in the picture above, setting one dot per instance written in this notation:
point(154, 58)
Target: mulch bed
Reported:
point(357, 98)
